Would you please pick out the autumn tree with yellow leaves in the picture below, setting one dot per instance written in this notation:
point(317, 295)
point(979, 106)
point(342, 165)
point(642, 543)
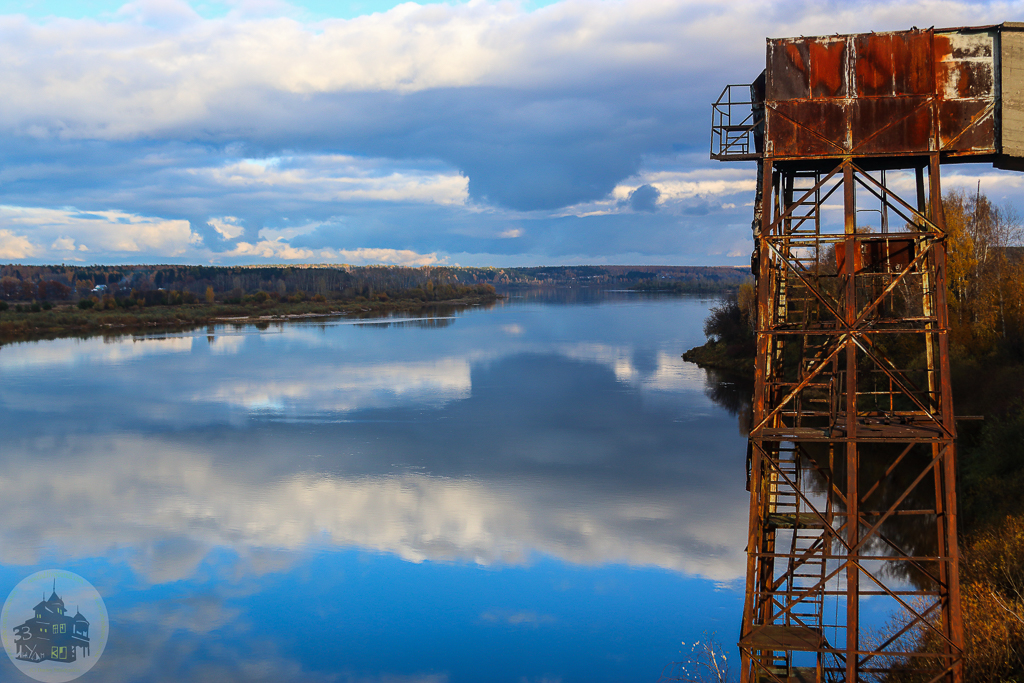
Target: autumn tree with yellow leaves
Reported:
point(984, 273)
point(985, 282)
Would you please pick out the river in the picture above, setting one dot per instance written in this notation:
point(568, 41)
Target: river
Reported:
point(536, 491)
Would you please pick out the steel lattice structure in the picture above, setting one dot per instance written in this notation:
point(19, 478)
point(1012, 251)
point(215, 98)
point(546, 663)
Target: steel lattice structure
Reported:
point(845, 439)
point(852, 447)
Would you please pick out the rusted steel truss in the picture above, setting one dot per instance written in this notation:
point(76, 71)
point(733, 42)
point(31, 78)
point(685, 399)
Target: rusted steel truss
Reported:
point(852, 458)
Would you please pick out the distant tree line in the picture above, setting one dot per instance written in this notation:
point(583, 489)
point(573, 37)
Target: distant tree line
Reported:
point(111, 287)
point(107, 286)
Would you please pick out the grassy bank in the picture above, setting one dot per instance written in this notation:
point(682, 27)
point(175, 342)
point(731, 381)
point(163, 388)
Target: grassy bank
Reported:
point(68, 320)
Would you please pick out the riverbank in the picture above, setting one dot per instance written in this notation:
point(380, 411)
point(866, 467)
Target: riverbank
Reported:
point(717, 355)
point(69, 320)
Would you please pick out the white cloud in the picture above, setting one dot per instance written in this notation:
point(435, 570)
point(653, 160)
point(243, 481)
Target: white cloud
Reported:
point(68, 230)
point(133, 77)
point(266, 249)
point(673, 188)
point(398, 257)
point(269, 250)
point(14, 246)
point(274, 234)
point(112, 231)
point(969, 178)
point(676, 185)
point(338, 179)
point(229, 227)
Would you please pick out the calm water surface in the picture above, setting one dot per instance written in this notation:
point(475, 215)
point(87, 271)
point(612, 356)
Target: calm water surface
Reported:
point(542, 490)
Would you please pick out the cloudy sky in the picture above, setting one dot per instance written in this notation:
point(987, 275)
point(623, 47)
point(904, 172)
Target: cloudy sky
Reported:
point(367, 131)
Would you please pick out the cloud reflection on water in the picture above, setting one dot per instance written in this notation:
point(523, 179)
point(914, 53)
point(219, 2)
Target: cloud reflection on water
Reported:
point(584, 450)
point(172, 504)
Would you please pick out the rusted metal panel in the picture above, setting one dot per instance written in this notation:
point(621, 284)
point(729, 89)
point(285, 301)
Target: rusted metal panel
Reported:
point(891, 65)
point(858, 259)
point(966, 126)
point(886, 126)
point(876, 66)
point(881, 94)
point(831, 96)
point(960, 80)
point(888, 254)
point(878, 255)
point(827, 138)
point(913, 50)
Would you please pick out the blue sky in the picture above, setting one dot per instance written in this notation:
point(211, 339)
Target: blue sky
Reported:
point(473, 133)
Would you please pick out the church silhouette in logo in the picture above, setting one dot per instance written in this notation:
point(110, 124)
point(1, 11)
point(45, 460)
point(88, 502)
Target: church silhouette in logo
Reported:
point(51, 633)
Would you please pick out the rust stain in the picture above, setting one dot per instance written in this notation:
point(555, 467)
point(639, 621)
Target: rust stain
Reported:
point(828, 68)
point(965, 83)
point(887, 254)
point(915, 52)
point(876, 65)
point(943, 48)
point(858, 258)
point(796, 58)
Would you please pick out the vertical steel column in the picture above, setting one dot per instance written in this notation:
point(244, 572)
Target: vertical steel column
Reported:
point(945, 472)
point(763, 339)
point(852, 470)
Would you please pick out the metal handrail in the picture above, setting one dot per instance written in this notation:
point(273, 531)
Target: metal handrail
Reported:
point(732, 137)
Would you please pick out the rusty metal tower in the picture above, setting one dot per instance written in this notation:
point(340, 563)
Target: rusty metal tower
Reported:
point(852, 548)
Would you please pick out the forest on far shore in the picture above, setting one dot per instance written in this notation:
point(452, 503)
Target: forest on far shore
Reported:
point(44, 302)
point(33, 287)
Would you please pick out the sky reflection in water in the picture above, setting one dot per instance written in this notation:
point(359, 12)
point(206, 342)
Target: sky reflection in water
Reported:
point(539, 491)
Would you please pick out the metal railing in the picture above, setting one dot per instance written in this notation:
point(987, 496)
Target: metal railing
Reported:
point(732, 125)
